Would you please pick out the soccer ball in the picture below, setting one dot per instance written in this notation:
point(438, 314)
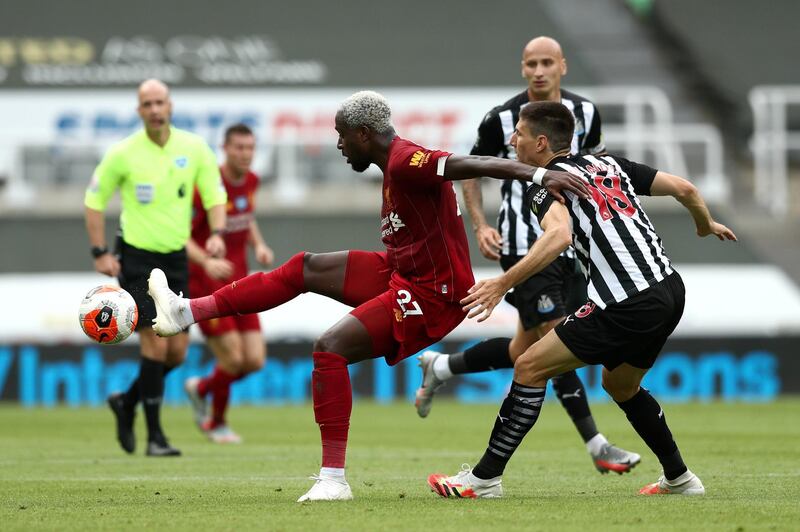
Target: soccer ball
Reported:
point(108, 314)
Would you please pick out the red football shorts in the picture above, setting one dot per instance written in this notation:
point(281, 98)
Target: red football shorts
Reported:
point(400, 318)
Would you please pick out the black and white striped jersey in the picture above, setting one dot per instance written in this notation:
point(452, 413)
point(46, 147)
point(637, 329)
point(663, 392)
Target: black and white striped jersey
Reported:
point(514, 222)
point(617, 246)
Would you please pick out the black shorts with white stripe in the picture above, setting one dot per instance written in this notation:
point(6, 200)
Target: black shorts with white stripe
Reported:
point(632, 332)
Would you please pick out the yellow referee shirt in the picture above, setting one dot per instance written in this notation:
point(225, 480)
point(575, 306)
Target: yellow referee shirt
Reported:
point(156, 186)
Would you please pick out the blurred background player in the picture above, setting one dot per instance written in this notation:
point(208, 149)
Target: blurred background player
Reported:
point(156, 170)
point(405, 298)
point(545, 298)
point(235, 341)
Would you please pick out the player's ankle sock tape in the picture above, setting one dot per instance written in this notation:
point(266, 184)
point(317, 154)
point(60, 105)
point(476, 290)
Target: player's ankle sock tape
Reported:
point(333, 403)
point(151, 384)
point(484, 356)
point(572, 394)
point(517, 415)
point(649, 421)
point(261, 291)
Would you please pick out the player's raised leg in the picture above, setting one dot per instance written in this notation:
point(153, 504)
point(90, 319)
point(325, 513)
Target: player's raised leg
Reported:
point(648, 419)
point(320, 273)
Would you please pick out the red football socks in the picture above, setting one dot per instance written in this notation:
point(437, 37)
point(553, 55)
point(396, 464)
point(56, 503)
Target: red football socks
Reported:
point(219, 385)
point(254, 293)
point(333, 403)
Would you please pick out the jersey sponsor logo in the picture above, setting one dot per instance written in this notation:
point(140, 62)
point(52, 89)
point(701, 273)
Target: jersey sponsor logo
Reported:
point(144, 193)
point(420, 158)
point(545, 304)
point(397, 223)
point(393, 222)
point(585, 310)
point(181, 162)
point(240, 203)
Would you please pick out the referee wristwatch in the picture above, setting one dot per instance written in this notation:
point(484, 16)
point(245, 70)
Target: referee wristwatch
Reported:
point(99, 251)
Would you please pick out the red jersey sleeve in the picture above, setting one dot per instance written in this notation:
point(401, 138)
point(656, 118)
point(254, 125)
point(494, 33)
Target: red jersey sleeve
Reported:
point(415, 167)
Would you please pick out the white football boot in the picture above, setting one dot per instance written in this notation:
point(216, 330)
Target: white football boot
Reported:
point(172, 310)
point(465, 485)
point(430, 383)
point(327, 489)
point(686, 484)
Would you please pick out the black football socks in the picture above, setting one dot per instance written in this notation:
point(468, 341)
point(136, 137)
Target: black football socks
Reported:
point(517, 415)
point(485, 356)
point(570, 391)
point(151, 384)
point(648, 419)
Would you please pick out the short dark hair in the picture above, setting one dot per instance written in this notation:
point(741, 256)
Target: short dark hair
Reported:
point(237, 129)
point(551, 119)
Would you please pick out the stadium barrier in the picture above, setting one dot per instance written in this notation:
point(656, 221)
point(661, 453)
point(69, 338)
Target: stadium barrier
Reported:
point(773, 139)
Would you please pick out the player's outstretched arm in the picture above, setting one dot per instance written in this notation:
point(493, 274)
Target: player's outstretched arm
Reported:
point(460, 167)
point(686, 193)
point(557, 236)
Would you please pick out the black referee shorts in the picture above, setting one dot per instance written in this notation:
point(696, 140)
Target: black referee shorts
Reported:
point(550, 294)
point(136, 266)
point(633, 331)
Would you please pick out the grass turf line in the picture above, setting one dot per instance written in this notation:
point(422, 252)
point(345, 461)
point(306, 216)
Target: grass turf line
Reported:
point(62, 469)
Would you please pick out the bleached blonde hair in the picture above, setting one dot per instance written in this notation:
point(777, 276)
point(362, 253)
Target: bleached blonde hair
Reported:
point(367, 108)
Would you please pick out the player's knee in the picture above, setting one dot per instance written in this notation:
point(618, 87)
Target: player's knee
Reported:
point(527, 368)
point(516, 348)
point(328, 342)
point(619, 389)
point(251, 365)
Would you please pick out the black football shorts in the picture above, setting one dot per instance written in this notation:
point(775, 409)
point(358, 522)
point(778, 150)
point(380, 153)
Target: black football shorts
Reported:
point(136, 266)
point(548, 295)
point(633, 331)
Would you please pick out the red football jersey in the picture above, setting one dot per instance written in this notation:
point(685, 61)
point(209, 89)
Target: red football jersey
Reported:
point(421, 222)
point(240, 206)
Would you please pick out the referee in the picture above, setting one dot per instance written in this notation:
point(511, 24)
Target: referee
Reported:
point(156, 171)
point(543, 300)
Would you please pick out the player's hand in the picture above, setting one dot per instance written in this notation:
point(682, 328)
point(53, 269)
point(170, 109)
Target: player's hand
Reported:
point(718, 230)
point(218, 269)
point(215, 246)
point(107, 264)
point(555, 182)
point(489, 242)
point(264, 254)
point(483, 297)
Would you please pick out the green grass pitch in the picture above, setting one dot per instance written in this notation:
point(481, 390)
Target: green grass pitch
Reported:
point(61, 469)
